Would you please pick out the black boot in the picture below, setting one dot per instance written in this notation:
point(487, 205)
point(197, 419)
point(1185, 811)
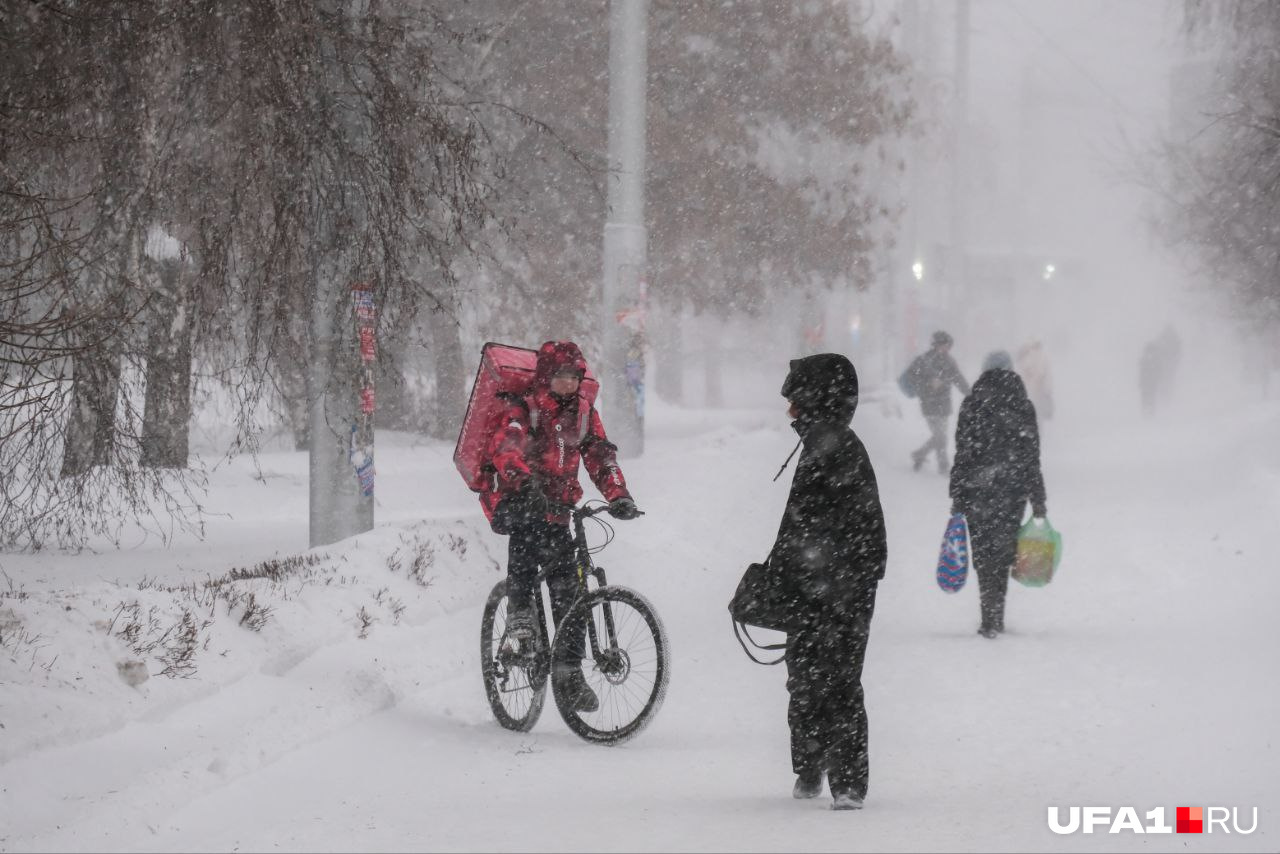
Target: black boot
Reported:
point(576, 692)
point(808, 785)
point(845, 801)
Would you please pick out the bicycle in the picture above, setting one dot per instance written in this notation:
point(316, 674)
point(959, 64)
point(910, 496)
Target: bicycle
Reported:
point(626, 659)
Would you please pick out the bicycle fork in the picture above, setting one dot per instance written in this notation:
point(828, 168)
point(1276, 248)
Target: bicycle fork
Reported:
point(606, 657)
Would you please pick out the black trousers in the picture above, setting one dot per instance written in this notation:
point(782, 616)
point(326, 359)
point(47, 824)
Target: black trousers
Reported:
point(993, 548)
point(536, 544)
point(827, 713)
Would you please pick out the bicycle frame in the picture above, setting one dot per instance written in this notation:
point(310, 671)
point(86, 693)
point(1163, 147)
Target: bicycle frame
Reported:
point(601, 628)
point(585, 568)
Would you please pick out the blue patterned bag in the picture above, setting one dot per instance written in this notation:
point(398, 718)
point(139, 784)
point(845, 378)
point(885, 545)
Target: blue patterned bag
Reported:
point(953, 558)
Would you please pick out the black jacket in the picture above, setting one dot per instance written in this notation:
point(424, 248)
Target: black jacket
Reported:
point(932, 374)
point(831, 543)
point(997, 465)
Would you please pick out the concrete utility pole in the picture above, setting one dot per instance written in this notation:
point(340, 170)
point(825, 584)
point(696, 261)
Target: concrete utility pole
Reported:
point(625, 236)
point(324, 469)
point(902, 294)
point(341, 434)
point(958, 273)
point(341, 437)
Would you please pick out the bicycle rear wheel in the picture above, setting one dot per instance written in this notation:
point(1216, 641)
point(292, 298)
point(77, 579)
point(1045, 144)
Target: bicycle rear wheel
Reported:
point(515, 681)
point(626, 664)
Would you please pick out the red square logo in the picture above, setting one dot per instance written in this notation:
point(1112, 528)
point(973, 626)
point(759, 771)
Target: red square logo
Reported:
point(1191, 819)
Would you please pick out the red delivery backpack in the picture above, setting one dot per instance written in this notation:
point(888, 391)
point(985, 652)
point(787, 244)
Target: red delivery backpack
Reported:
point(504, 372)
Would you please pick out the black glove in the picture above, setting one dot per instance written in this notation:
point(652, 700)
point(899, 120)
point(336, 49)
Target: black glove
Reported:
point(527, 502)
point(623, 508)
point(1039, 511)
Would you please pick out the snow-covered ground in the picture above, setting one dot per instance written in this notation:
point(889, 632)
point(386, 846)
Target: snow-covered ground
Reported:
point(353, 717)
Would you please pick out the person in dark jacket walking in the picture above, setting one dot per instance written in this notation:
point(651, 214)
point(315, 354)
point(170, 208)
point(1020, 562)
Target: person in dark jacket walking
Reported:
point(997, 472)
point(931, 375)
point(831, 550)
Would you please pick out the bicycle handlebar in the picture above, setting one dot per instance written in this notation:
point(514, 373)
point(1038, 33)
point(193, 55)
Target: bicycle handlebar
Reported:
point(583, 512)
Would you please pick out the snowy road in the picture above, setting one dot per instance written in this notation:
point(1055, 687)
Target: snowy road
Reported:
point(1143, 676)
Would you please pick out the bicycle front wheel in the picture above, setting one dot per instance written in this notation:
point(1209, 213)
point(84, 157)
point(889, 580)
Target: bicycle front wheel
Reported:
point(515, 679)
point(624, 660)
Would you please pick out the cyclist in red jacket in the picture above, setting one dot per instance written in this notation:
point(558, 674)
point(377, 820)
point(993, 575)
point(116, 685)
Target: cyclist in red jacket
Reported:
point(535, 452)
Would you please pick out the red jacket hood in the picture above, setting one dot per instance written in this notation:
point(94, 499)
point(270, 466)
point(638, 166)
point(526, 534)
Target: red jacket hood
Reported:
point(554, 355)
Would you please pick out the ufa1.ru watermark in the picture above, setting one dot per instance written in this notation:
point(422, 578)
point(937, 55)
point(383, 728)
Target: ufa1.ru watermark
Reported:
point(1121, 819)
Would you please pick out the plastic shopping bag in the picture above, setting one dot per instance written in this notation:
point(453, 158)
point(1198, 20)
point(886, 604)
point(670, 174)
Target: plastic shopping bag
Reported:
point(1039, 551)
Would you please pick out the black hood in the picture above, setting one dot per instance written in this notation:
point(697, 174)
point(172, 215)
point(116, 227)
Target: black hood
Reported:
point(1000, 397)
point(1000, 385)
point(822, 387)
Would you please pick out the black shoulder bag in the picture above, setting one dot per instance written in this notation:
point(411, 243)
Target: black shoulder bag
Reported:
point(761, 600)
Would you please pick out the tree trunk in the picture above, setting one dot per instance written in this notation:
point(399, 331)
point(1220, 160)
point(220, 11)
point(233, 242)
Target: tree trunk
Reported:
point(396, 410)
point(669, 352)
point(451, 391)
point(95, 378)
point(95, 387)
point(292, 376)
point(300, 419)
point(713, 363)
point(167, 414)
point(810, 324)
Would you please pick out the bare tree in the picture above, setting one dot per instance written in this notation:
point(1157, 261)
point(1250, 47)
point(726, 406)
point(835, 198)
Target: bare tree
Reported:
point(76, 170)
point(743, 84)
point(293, 148)
point(730, 85)
point(1223, 191)
point(170, 342)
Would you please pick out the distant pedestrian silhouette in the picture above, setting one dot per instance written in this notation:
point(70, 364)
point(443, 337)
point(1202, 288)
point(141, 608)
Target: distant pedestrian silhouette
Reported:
point(931, 376)
point(1157, 368)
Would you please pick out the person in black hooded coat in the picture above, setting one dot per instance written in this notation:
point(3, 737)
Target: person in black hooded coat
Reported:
point(996, 472)
point(831, 548)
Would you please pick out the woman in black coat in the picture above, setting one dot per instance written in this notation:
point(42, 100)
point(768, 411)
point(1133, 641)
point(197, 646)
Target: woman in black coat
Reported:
point(996, 472)
point(831, 550)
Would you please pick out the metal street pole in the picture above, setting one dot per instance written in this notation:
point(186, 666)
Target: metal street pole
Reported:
point(625, 236)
